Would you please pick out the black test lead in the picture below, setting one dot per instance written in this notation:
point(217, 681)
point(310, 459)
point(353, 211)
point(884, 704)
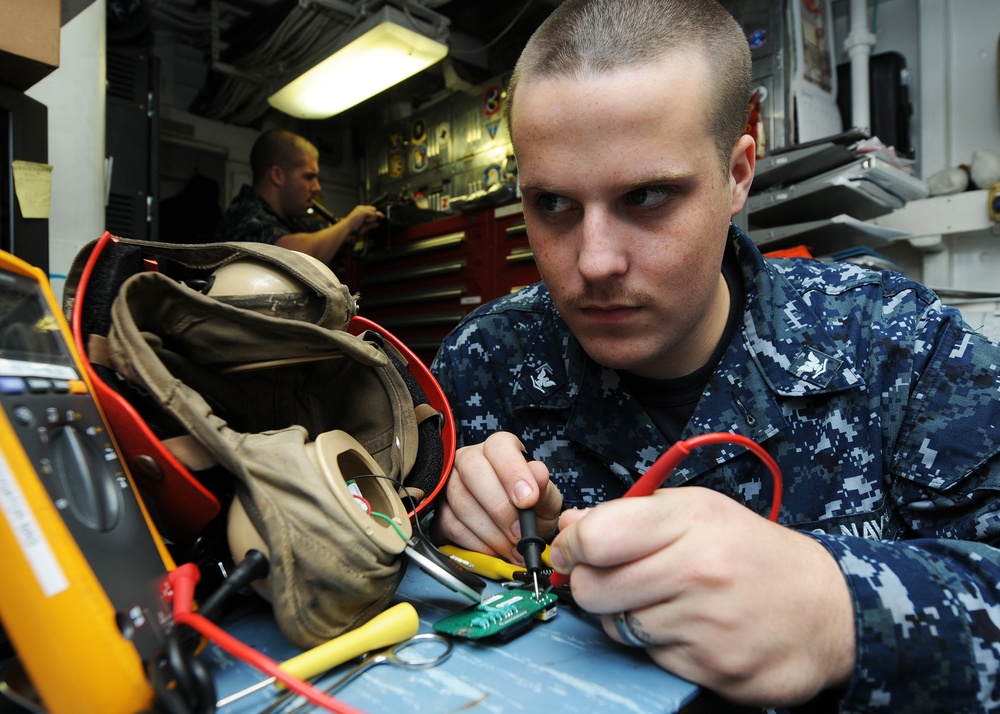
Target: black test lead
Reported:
point(531, 545)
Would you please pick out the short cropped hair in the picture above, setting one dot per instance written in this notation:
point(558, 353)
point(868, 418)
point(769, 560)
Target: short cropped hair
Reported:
point(278, 147)
point(585, 37)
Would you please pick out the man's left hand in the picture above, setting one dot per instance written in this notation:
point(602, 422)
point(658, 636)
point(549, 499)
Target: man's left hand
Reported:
point(756, 612)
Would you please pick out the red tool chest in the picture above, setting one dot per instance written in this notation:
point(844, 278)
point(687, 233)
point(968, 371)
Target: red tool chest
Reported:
point(418, 282)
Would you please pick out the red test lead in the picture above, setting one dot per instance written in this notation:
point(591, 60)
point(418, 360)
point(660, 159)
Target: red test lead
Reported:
point(665, 465)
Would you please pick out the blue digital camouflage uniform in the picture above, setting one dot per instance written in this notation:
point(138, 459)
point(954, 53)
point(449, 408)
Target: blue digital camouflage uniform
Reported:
point(882, 408)
point(251, 219)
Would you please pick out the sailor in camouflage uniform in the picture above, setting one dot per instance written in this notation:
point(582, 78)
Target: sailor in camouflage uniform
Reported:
point(275, 209)
point(879, 590)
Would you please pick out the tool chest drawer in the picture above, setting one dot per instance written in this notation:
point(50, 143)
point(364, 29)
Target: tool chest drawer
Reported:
point(420, 281)
point(512, 261)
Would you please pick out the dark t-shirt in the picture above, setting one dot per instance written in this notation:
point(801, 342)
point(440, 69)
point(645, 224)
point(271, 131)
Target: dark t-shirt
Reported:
point(250, 218)
point(671, 402)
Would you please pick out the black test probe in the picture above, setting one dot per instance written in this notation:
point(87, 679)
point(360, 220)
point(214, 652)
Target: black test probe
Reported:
point(531, 545)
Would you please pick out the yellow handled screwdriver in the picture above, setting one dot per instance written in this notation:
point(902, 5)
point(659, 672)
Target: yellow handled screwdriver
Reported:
point(488, 566)
point(398, 623)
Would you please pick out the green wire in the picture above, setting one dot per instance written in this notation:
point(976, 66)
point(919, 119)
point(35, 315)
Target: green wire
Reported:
point(392, 523)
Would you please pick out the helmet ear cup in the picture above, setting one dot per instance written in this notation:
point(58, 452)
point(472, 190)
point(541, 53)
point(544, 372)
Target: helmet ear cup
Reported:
point(358, 485)
point(362, 489)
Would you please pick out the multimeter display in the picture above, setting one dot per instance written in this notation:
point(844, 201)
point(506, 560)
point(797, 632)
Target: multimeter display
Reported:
point(31, 343)
point(84, 595)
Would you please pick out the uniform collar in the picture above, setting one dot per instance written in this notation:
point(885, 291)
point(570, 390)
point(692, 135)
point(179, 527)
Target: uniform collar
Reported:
point(553, 364)
point(795, 353)
point(249, 194)
point(557, 375)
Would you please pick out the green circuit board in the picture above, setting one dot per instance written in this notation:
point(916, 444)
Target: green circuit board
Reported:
point(503, 615)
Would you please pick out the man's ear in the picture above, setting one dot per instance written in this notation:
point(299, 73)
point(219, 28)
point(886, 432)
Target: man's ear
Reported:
point(741, 167)
point(276, 175)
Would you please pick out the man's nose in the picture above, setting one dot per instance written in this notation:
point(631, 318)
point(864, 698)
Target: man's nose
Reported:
point(602, 248)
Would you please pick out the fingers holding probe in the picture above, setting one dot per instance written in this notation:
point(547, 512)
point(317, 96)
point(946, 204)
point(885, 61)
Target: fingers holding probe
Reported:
point(531, 545)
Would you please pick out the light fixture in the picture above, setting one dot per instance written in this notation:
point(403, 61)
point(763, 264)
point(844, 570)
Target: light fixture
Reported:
point(379, 52)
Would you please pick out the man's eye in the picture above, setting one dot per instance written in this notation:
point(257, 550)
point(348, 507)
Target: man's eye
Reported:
point(551, 203)
point(648, 197)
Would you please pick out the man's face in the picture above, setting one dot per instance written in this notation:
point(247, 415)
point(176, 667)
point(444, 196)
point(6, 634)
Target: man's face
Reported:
point(300, 183)
point(627, 211)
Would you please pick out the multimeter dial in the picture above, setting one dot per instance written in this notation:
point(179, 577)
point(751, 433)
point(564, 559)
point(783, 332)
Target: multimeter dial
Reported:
point(90, 487)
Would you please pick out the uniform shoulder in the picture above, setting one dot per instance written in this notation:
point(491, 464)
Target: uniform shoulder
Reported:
point(532, 300)
point(502, 325)
point(839, 278)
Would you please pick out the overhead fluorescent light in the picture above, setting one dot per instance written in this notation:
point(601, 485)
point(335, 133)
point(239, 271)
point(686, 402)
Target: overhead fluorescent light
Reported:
point(383, 50)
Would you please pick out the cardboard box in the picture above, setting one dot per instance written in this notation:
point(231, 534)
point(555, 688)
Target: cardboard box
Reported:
point(29, 40)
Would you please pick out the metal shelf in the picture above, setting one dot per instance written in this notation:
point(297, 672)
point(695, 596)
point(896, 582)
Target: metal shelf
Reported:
point(928, 220)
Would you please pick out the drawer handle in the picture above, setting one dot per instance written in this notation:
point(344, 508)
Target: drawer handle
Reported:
point(517, 229)
point(421, 246)
point(413, 296)
point(431, 318)
point(521, 255)
point(426, 271)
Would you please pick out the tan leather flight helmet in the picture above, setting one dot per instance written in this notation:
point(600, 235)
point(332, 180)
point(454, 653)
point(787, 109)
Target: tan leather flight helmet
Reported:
point(347, 468)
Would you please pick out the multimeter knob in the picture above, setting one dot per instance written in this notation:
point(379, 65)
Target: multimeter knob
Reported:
point(91, 488)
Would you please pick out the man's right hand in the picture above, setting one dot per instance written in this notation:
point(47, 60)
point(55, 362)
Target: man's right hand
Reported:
point(488, 483)
point(362, 219)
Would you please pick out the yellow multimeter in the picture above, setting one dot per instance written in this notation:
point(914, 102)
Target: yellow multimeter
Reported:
point(84, 598)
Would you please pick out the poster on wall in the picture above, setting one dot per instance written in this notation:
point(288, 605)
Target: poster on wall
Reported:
point(492, 104)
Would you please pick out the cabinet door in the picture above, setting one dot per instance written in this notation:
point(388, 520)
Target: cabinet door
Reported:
point(132, 139)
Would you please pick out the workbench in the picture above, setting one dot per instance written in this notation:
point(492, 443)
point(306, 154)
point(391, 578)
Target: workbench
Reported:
point(565, 665)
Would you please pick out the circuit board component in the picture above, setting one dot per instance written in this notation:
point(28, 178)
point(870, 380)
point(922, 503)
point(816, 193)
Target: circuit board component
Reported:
point(504, 615)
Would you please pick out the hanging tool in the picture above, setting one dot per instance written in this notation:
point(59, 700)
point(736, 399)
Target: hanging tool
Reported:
point(398, 623)
point(322, 210)
point(531, 545)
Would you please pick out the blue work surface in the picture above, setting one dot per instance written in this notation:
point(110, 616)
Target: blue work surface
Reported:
point(564, 665)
